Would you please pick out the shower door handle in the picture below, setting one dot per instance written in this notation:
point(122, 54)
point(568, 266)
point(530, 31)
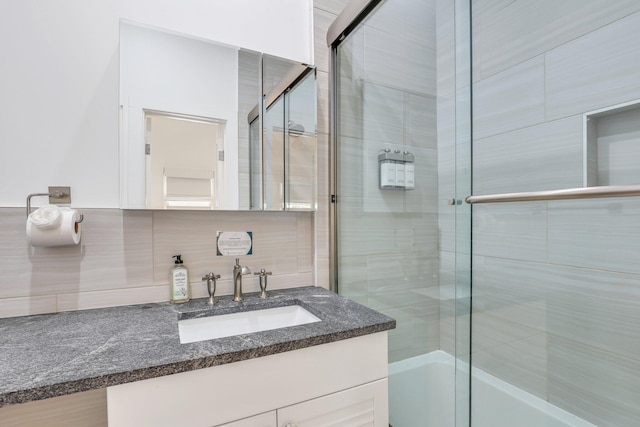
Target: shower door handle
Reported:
point(565, 194)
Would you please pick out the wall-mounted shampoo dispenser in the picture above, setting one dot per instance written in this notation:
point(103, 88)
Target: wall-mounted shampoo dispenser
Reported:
point(397, 171)
point(409, 171)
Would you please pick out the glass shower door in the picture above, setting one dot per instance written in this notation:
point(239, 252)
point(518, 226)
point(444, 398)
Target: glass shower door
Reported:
point(556, 295)
point(402, 246)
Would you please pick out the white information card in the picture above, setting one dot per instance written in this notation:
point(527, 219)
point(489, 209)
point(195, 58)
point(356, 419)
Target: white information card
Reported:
point(234, 243)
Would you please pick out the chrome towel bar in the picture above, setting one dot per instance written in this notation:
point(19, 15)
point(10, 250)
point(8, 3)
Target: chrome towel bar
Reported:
point(565, 194)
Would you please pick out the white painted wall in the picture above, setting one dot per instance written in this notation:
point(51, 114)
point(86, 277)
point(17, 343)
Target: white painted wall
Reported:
point(59, 85)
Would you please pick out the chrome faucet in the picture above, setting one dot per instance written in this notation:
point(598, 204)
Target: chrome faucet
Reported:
point(238, 271)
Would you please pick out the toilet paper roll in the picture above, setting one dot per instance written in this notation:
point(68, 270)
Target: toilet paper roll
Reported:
point(68, 231)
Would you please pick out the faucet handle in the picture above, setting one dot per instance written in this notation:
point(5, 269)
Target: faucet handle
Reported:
point(211, 276)
point(263, 272)
point(211, 286)
point(263, 282)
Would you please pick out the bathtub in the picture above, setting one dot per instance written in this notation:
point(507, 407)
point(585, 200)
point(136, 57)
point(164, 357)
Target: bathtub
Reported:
point(422, 394)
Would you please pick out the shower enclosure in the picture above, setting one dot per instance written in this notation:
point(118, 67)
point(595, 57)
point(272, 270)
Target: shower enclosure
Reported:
point(511, 261)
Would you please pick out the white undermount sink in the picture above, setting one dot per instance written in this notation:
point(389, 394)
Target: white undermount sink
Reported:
point(245, 322)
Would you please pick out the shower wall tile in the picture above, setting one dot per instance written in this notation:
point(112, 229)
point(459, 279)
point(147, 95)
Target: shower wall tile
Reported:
point(416, 330)
point(351, 153)
point(400, 338)
point(406, 19)
point(595, 311)
point(511, 230)
point(395, 62)
point(448, 326)
point(597, 308)
point(547, 156)
point(522, 363)
point(447, 295)
point(510, 100)
point(506, 33)
point(420, 22)
point(383, 114)
point(421, 121)
point(446, 223)
point(446, 121)
point(445, 48)
point(446, 168)
point(497, 321)
point(424, 229)
point(402, 279)
point(425, 327)
point(424, 198)
point(594, 71)
point(388, 18)
point(598, 386)
point(351, 108)
point(380, 234)
point(353, 274)
point(509, 304)
point(598, 233)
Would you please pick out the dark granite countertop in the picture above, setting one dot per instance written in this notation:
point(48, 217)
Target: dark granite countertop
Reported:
point(51, 355)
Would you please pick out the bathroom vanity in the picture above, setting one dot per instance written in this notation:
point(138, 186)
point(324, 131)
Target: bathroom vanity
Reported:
point(128, 362)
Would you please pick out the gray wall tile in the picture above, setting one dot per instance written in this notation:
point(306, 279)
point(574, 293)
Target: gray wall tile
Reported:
point(547, 156)
point(510, 100)
point(594, 71)
point(506, 33)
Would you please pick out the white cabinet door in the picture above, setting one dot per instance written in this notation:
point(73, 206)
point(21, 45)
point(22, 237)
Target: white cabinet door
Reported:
point(262, 420)
point(365, 405)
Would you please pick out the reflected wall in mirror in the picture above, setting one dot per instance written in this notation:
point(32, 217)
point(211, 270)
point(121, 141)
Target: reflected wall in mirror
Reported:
point(289, 139)
point(191, 115)
point(185, 170)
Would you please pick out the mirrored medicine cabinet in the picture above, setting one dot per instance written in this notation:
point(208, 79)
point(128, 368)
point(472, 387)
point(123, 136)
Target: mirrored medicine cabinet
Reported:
point(208, 126)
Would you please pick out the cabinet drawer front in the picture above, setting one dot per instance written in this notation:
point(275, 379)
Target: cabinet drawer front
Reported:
point(365, 405)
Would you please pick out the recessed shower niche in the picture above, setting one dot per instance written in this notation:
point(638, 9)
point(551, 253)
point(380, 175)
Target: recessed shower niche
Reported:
point(612, 145)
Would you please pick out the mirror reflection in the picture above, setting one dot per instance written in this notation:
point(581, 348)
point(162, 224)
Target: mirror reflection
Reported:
point(289, 139)
point(194, 115)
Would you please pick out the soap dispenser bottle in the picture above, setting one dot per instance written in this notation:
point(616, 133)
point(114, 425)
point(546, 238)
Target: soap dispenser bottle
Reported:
point(179, 282)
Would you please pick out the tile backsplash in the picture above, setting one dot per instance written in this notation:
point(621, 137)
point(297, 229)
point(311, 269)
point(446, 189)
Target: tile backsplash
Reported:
point(124, 257)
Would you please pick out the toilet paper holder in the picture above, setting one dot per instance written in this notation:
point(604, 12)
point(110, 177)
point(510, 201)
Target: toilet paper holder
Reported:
point(59, 194)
